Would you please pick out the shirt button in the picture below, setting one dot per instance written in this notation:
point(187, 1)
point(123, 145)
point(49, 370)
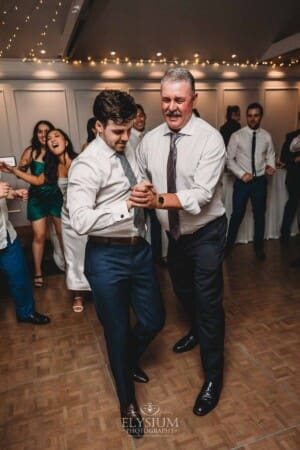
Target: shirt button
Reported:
point(122, 216)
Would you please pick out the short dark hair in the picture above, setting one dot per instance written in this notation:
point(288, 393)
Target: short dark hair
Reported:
point(139, 106)
point(179, 74)
point(89, 128)
point(256, 105)
point(232, 109)
point(115, 105)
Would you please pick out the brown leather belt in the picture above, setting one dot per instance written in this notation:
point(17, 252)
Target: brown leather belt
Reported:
point(133, 240)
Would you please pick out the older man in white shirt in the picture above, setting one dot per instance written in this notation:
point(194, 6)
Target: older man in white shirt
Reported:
point(184, 160)
point(250, 157)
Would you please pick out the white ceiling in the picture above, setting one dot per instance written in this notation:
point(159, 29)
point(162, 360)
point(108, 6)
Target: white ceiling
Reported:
point(92, 29)
point(215, 29)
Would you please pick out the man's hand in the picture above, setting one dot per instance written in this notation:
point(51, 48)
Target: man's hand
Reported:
point(247, 177)
point(143, 195)
point(145, 186)
point(4, 189)
point(6, 168)
point(297, 160)
point(21, 193)
point(269, 170)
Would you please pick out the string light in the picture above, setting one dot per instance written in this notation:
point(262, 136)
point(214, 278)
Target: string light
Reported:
point(39, 49)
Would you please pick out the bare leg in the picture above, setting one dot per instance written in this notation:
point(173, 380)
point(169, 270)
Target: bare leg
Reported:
point(57, 225)
point(39, 228)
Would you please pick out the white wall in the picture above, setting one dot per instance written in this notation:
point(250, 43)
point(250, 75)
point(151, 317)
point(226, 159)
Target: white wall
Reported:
point(68, 104)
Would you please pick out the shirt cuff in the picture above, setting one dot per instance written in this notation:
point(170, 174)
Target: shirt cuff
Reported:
point(188, 202)
point(120, 211)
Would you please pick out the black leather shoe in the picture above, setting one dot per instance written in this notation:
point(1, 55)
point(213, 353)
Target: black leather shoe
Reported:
point(185, 344)
point(35, 319)
point(132, 420)
point(208, 398)
point(139, 375)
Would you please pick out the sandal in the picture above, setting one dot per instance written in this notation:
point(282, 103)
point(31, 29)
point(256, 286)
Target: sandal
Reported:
point(38, 281)
point(77, 304)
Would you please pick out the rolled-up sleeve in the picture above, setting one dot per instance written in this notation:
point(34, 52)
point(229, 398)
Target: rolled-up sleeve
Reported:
point(85, 181)
point(206, 178)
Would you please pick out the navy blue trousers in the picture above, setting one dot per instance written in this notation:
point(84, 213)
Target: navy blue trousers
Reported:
point(256, 190)
point(14, 265)
point(122, 276)
point(195, 266)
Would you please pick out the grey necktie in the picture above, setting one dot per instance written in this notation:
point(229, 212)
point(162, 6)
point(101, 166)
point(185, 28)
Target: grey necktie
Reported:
point(138, 215)
point(171, 182)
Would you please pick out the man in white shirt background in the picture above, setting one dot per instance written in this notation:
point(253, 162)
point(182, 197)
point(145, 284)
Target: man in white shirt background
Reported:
point(139, 126)
point(118, 260)
point(13, 263)
point(183, 159)
point(250, 157)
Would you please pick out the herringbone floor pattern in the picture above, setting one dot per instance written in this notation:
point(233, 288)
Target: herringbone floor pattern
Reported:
point(56, 391)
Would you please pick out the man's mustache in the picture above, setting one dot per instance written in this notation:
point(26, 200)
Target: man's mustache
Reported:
point(173, 114)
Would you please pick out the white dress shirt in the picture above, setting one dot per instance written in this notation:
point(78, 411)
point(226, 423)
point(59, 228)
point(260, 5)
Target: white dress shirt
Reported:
point(5, 225)
point(135, 137)
point(239, 152)
point(98, 190)
point(199, 169)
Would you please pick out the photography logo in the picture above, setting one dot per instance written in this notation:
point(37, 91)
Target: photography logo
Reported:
point(157, 422)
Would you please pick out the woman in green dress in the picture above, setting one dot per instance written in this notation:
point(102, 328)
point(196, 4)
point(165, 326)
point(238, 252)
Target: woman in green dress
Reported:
point(44, 201)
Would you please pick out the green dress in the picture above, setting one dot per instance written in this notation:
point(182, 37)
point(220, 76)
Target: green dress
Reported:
point(45, 200)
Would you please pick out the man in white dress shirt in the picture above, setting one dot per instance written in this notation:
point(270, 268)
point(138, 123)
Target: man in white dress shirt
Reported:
point(250, 157)
point(118, 260)
point(183, 159)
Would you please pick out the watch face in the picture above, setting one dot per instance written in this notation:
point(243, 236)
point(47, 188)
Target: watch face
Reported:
point(161, 200)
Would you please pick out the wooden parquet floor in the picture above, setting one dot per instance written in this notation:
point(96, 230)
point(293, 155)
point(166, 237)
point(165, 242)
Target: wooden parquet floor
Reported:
point(56, 391)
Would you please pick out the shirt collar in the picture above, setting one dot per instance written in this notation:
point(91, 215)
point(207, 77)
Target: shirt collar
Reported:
point(251, 131)
point(106, 149)
point(188, 129)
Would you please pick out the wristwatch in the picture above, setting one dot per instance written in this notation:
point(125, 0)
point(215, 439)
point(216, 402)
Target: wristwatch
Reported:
point(161, 201)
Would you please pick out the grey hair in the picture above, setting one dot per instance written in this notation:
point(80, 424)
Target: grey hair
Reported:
point(179, 74)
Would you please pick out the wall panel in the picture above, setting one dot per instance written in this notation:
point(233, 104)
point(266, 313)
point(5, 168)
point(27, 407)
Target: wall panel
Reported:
point(207, 105)
point(84, 100)
point(35, 105)
point(6, 147)
point(281, 111)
